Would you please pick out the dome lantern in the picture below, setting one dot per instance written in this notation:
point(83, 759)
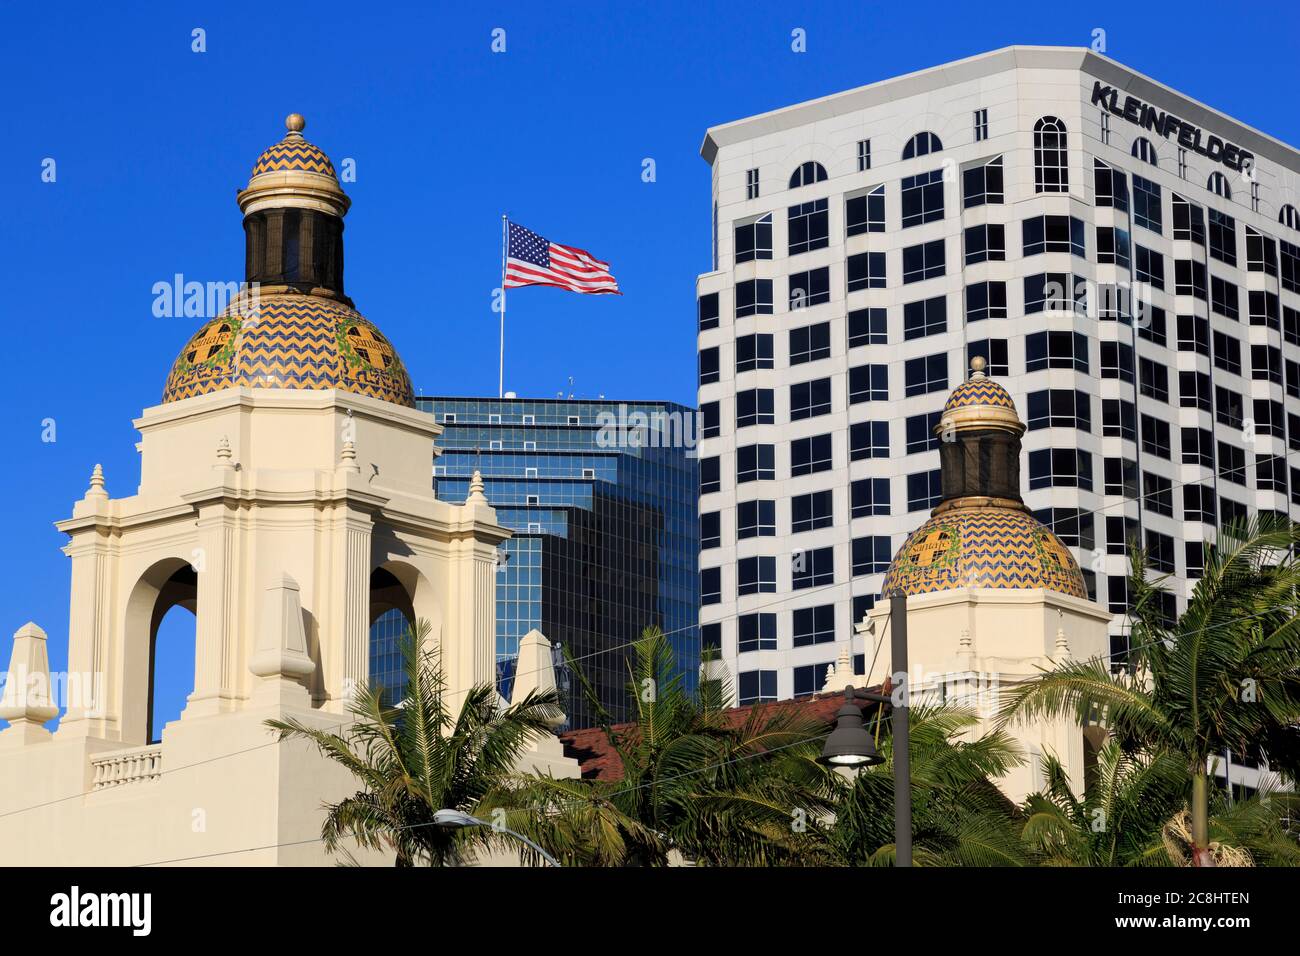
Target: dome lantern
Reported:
point(981, 535)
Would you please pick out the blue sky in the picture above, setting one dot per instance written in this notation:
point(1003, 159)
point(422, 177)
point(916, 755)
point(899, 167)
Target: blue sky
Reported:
point(151, 141)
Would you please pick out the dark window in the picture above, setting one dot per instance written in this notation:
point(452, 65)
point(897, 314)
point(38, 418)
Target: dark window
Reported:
point(751, 184)
point(710, 474)
point(1053, 234)
point(807, 174)
point(1261, 252)
point(868, 327)
point(1198, 504)
point(1056, 350)
point(708, 365)
point(710, 585)
point(1189, 221)
point(1155, 437)
point(871, 555)
point(1118, 419)
point(865, 213)
point(869, 383)
point(1120, 477)
point(927, 317)
point(812, 568)
point(708, 311)
point(755, 575)
point(982, 184)
point(754, 407)
point(756, 687)
point(1194, 391)
point(755, 632)
point(809, 226)
point(810, 399)
point(710, 423)
point(1051, 162)
point(1059, 408)
point(1223, 298)
point(986, 300)
point(710, 530)
point(810, 288)
point(754, 239)
point(870, 496)
point(810, 343)
point(868, 440)
point(1189, 278)
point(994, 353)
point(924, 490)
point(923, 375)
point(1110, 186)
point(755, 519)
point(1193, 334)
point(922, 198)
point(1223, 237)
point(1146, 205)
point(813, 625)
point(1060, 468)
point(1113, 246)
point(924, 261)
point(1157, 494)
point(1153, 379)
point(755, 463)
point(866, 270)
point(811, 511)
point(1149, 267)
point(809, 455)
point(753, 352)
point(1197, 447)
point(1232, 463)
point(1117, 361)
point(922, 144)
point(754, 297)
point(920, 432)
point(986, 243)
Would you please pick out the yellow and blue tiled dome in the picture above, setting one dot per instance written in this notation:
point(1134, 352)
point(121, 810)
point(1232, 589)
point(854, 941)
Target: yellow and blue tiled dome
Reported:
point(290, 341)
point(982, 392)
point(983, 547)
point(293, 153)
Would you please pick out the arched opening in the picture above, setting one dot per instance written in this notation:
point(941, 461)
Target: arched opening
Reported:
point(922, 144)
point(391, 615)
point(160, 649)
point(171, 668)
point(1051, 156)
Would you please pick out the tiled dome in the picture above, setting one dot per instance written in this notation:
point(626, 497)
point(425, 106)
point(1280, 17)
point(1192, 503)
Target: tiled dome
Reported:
point(293, 153)
point(979, 392)
point(290, 341)
point(983, 547)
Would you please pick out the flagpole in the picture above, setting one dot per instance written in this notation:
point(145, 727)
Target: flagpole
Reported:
point(501, 374)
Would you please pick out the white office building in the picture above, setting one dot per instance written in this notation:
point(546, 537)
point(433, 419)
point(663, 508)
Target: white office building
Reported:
point(1023, 206)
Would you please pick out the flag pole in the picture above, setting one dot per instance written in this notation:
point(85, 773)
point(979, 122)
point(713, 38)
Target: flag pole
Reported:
point(501, 372)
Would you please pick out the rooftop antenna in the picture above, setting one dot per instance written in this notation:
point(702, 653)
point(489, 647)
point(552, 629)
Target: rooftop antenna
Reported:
point(570, 388)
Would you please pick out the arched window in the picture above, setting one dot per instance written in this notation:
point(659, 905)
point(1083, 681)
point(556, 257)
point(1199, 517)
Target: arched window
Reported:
point(807, 174)
point(1051, 165)
point(1289, 217)
point(922, 144)
point(1218, 184)
point(1143, 150)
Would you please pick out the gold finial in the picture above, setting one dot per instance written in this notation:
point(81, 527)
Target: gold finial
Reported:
point(295, 123)
point(977, 365)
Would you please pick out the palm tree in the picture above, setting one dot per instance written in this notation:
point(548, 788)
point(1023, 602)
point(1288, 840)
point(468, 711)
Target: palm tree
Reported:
point(1134, 813)
point(1225, 675)
point(959, 816)
point(698, 783)
point(420, 756)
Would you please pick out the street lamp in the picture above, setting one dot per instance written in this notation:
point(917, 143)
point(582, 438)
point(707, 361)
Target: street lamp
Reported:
point(455, 819)
point(849, 744)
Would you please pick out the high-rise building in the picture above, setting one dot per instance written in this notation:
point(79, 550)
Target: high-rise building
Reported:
point(601, 497)
point(1126, 259)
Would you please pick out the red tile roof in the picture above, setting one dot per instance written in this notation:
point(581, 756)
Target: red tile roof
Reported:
point(590, 746)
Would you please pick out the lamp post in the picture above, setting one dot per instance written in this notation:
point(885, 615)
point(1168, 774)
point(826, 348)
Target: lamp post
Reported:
point(849, 744)
point(455, 819)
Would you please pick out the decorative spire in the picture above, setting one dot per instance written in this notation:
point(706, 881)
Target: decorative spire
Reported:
point(348, 457)
point(295, 123)
point(476, 488)
point(224, 462)
point(96, 489)
point(844, 664)
point(977, 366)
point(1062, 645)
point(26, 702)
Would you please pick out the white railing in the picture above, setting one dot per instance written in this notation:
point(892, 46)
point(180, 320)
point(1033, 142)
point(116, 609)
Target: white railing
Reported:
point(121, 767)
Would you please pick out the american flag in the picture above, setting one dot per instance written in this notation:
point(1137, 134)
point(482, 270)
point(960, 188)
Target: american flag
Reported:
point(532, 260)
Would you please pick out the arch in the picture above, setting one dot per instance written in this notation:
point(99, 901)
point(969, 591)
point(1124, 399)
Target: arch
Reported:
point(168, 583)
point(400, 595)
point(807, 173)
point(922, 144)
point(1145, 151)
point(1218, 184)
point(1289, 217)
point(1051, 156)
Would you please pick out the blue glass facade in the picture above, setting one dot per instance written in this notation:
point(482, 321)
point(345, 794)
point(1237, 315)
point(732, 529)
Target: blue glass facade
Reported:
point(602, 499)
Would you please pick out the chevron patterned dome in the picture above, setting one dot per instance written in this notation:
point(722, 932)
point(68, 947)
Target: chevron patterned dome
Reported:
point(290, 341)
point(293, 153)
point(983, 547)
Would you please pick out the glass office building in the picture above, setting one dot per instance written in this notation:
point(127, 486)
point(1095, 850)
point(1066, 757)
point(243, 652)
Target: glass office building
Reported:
point(601, 497)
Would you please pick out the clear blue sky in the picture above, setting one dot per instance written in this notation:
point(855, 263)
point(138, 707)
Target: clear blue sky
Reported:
point(151, 141)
